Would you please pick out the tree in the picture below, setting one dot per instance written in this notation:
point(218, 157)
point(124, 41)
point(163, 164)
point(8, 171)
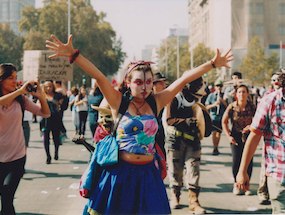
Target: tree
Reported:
point(202, 54)
point(168, 50)
point(11, 47)
point(167, 53)
point(91, 33)
point(255, 65)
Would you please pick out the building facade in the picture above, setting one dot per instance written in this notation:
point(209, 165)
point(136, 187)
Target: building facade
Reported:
point(232, 23)
point(10, 12)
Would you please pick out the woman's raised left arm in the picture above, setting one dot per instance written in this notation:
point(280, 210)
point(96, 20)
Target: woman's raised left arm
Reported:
point(219, 60)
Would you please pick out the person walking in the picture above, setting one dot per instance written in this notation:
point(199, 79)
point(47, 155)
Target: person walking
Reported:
point(74, 114)
point(28, 117)
point(268, 122)
point(63, 107)
point(53, 123)
point(240, 113)
point(13, 103)
point(144, 192)
point(81, 105)
point(159, 84)
point(262, 191)
point(216, 106)
point(184, 146)
point(229, 91)
point(94, 98)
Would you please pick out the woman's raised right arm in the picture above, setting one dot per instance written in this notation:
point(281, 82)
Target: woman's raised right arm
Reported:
point(66, 50)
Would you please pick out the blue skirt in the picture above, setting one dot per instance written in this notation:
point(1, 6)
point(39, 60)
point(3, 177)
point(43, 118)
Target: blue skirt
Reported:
point(129, 189)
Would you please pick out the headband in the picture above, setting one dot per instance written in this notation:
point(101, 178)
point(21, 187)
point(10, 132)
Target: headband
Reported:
point(138, 63)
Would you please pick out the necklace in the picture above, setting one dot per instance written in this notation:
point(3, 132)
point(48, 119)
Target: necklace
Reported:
point(138, 108)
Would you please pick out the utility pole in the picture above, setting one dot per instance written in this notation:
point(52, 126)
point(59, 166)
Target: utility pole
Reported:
point(68, 33)
point(281, 56)
point(177, 53)
point(166, 57)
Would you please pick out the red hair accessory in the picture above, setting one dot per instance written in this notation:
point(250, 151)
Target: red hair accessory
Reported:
point(138, 63)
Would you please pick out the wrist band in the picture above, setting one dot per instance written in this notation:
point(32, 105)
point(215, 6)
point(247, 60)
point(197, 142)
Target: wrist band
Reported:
point(213, 64)
point(73, 57)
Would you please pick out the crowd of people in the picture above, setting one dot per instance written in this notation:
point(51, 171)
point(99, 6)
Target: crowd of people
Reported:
point(176, 116)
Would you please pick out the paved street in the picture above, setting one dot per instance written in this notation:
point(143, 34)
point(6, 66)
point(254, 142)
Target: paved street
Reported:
point(53, 189)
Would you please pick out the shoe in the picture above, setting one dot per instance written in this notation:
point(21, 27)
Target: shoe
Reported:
point(248, 193)
point(263, 198)
point(48, 160)
point(81, 137)
point(237, 191)
point(215, 151)
point(56, 157)
point(174, 203)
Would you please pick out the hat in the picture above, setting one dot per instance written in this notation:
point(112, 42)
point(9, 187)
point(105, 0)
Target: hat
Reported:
point(103, 108)
point(218, 82)
point(158, 77)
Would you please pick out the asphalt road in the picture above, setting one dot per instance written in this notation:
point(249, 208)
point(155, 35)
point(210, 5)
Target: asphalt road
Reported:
point(53, 189)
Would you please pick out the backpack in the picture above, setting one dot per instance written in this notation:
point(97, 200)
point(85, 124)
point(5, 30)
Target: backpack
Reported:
point(204, 120)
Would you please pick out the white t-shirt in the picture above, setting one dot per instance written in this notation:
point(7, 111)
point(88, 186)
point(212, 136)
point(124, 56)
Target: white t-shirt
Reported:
point(83, 106)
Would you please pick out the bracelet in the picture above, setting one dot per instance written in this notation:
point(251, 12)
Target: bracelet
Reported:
point(213, 64)
point(73, 57)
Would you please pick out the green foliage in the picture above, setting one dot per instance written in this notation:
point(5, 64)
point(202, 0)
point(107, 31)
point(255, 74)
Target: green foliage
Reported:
point(10, 47)
point(256, 66)
point(202, 54)
point(91, 33)
point(167, 53)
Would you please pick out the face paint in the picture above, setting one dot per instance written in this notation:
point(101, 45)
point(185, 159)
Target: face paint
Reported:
point(141, 84)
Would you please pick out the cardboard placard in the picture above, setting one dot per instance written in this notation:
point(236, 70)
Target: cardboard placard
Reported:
point(37, 66)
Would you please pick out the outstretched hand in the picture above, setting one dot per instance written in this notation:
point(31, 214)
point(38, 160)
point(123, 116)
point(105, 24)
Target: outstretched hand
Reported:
point(223, 60)
point(60, 48)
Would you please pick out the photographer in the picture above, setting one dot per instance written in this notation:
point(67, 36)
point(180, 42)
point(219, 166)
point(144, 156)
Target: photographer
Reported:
point(12, 142)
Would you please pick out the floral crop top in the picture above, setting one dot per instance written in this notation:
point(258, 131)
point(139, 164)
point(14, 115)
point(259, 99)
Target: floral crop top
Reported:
point(136, 134)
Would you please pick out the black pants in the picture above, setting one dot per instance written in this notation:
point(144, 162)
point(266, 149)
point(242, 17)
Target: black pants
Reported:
point(237, 151)
point(10, 176)
point(82, 122)
point(55, 135)
point(62, 127)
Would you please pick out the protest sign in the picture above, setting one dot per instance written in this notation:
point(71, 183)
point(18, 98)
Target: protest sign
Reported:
point(37, 66)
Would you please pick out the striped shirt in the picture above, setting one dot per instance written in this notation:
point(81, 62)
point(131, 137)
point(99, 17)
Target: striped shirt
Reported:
point(269, 121)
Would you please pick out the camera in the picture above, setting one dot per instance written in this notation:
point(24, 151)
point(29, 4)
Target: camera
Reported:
point(31, 88)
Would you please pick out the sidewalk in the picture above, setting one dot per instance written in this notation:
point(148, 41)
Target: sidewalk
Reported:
point(53, 189)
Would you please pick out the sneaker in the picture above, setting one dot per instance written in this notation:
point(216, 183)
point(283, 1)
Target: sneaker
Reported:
point(237, 191)
point(248, 193)
point(215, 151)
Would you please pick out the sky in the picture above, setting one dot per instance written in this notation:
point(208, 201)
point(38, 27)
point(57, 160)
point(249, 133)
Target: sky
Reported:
point(142, 22)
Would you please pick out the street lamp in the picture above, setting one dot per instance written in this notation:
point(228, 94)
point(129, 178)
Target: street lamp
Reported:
point(177, 53)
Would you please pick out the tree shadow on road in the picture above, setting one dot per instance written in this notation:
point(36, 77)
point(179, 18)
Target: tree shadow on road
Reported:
point(35, 174)
point(225, 188)
point(227, 164)
point(31, 214)
point(223, 211)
